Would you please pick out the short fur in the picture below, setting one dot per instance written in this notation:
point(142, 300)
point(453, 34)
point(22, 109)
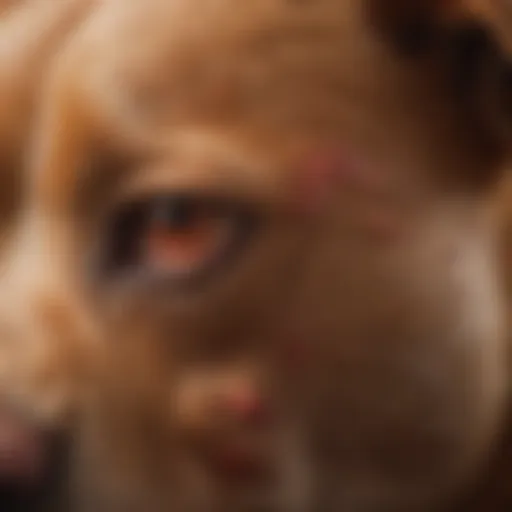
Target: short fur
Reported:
point(386, 270)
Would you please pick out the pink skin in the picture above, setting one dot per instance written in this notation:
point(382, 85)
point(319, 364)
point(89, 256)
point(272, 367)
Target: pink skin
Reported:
point(322, 170)
point(319, 172)
point(247, 406)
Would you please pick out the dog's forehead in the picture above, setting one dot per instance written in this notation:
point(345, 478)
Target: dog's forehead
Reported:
point(278, 75)
point(197, 57)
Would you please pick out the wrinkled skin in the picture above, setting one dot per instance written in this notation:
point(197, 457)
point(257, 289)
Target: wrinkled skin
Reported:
point(349, 351)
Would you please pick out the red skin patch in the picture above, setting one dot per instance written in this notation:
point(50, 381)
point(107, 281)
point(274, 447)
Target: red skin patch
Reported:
point(318, 173)
point(247, 406)
point(321, 172)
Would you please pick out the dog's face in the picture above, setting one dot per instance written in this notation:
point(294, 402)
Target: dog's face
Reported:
point(280, 213)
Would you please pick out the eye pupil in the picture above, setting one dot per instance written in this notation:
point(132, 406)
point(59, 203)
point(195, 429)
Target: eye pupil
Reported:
point(175, 214)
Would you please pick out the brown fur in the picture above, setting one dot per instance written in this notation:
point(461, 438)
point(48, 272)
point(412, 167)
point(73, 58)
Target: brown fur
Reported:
point(390, 281)
point(38, 381)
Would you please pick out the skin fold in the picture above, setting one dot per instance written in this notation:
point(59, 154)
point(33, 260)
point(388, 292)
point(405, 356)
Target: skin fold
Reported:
point(258, 259)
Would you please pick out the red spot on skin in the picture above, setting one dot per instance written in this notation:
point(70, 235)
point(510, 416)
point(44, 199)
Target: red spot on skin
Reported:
point(319, 172)
point(322, 170)
point(247, 406)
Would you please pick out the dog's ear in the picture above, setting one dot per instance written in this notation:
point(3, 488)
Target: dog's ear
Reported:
point(468, 43)
point(477, 53)
point(412, 28)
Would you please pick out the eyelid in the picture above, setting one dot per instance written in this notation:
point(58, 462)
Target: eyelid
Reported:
point(223, 182)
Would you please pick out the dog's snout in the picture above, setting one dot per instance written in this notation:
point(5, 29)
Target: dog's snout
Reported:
point(33, 465)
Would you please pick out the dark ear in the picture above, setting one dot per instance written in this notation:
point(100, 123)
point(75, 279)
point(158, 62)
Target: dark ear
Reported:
point(478, 65)
point(411, 27)
point(468, 43)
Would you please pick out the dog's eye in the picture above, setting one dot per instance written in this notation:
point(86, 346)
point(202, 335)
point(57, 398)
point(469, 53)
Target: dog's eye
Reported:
point(180, 237)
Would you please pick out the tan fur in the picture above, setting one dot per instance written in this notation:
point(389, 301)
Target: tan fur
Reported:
point(38, 375)
point(392, 283)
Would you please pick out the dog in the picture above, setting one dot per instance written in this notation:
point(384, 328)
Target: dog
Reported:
point(274, 226)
